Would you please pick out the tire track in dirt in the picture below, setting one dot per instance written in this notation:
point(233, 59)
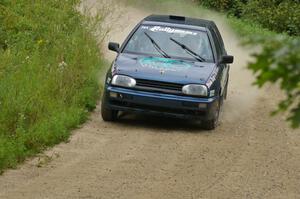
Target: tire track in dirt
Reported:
point(249, 156)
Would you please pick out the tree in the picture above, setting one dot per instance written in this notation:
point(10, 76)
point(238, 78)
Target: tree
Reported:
point(279, 61)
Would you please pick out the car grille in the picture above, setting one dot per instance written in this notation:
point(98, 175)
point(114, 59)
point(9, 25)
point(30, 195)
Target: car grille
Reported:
point(158, 86)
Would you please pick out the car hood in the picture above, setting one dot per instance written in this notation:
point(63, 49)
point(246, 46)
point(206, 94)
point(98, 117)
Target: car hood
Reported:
point(163, 69)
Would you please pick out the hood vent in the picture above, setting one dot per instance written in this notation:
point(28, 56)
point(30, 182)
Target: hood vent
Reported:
point(178, 18)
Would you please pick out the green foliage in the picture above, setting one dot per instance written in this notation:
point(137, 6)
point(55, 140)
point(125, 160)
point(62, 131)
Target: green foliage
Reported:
point(247, 28)
point(49, 61)
point(279, 61)
point(221, 5)
point(279, 16)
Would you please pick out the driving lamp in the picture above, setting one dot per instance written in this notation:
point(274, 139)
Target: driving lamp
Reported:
point(195, 90)
point(123, 81)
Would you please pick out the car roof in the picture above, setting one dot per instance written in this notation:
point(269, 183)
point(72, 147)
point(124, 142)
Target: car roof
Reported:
point(180, 20)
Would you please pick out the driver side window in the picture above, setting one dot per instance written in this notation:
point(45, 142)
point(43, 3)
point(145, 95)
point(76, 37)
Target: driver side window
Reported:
point(217, 45)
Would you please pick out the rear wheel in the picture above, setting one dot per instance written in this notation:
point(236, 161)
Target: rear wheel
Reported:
point(108, 114)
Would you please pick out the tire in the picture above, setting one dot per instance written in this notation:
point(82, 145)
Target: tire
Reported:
point(213, 123)
point(108, 114)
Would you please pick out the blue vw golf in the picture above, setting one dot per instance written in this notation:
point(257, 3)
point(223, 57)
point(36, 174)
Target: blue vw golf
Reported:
point(169, 65)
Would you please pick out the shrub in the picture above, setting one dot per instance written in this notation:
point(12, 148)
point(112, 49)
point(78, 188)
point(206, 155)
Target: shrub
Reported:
point(48, 75)
point(279, 16)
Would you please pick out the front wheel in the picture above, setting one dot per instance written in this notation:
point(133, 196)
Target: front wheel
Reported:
point(213, 123)
point(108, 114)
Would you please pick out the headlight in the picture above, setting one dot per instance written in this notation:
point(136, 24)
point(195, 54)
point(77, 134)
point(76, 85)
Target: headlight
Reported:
point(195, 89)
point(124, 81)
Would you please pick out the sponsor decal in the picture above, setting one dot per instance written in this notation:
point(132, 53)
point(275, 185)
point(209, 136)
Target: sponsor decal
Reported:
point(164, 64)
point(169, 30)
point(114, 69)
point(212, 78)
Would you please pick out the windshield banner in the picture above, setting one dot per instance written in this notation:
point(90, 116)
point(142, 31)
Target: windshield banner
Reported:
point(169, 30)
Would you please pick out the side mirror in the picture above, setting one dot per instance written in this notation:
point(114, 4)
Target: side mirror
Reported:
point(226, 59)
point(114, 46)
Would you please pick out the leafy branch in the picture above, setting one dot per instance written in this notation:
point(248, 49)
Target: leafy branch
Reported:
point(279, 61)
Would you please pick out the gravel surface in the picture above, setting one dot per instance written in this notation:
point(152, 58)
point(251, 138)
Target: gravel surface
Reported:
point(250, 155)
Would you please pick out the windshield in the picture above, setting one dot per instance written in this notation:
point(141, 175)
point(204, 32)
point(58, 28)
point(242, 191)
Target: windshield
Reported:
point(170, 42)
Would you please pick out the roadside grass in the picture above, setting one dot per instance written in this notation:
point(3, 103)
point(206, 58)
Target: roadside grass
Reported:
point(49, 75)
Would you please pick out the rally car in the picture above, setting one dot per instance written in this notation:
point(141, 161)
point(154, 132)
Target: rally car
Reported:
point(169, 65)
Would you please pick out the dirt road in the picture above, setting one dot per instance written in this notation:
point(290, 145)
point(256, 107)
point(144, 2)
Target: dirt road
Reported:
point(250, 155)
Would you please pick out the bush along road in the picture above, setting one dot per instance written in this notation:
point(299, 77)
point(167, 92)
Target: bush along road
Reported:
point(250, 155)
point(48, 75)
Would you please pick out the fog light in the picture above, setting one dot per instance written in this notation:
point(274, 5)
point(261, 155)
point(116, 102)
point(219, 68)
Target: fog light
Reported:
point(202, 105)
point(113, 95)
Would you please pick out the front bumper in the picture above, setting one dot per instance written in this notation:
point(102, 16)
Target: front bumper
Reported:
point(124, 99)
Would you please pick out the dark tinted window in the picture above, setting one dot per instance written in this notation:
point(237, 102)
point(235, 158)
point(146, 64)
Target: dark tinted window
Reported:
point(220, 40)
point(217, 44)
point(196, 40)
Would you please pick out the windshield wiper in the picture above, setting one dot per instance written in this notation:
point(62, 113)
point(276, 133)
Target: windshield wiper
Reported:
point(157, 47)
point(187, 49)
